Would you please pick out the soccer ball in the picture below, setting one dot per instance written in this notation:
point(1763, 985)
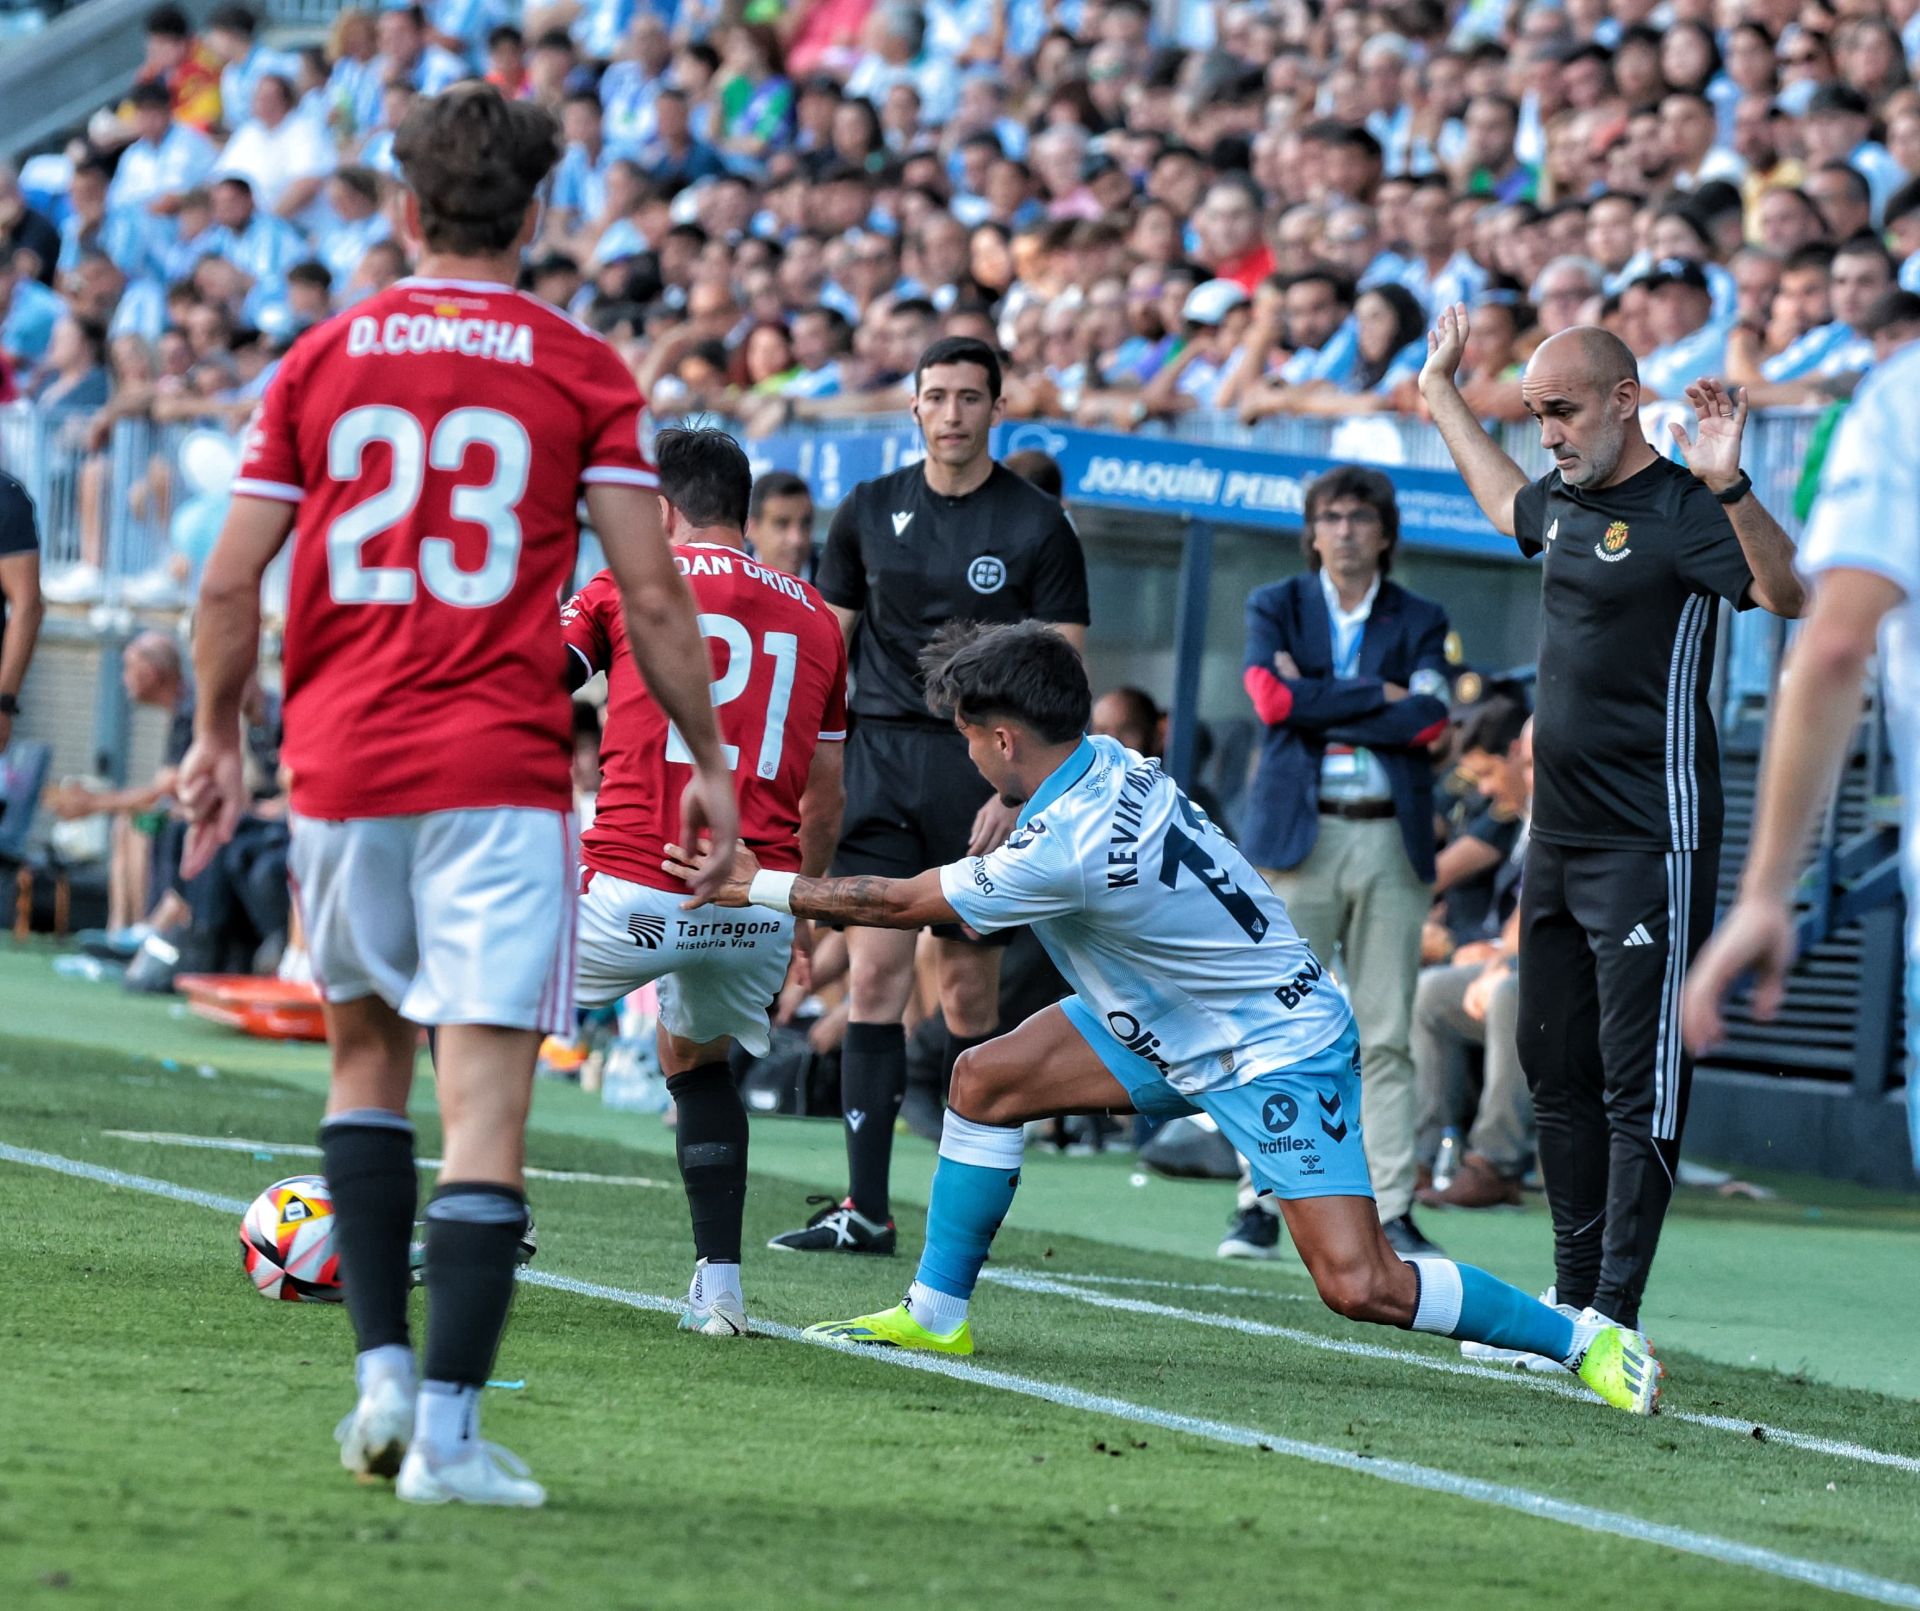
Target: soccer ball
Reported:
point(286, 1242)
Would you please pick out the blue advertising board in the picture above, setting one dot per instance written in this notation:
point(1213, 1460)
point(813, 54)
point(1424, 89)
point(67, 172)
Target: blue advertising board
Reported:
point(1231, 486)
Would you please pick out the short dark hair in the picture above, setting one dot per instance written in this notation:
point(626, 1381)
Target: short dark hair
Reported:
point(1024, 672)
point(1868, 244)
point(1891, 307)
point(776, 484)
point(1902, 202)
point(474, 161)
point(1493, 727)
point(234, 20)
point(1351, 481)
point(705, 475)
point(150, 94)
point(960, 350)
point(1042, 469)
point(1814, 255)
point(363, 182)
point(312, 272)
point(168, 22)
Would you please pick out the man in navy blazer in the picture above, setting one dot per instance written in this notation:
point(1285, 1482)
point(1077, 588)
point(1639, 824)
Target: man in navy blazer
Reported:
point(1348, 671)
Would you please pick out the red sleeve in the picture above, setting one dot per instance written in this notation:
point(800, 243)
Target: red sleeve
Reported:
point(270, 460)
point(584, 624)
point(1272, 699)
point(613, 411)
point(833, 720)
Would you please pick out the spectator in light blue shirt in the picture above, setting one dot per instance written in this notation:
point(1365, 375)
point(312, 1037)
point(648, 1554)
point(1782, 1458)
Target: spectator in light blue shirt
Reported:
point(28, 313)
point(1830, 359)
point(165, 157)
point(1691, 345)
point(1835, 129)
point(579, 193)
point(356, 222)
point(629, 87)
point(229, 34)
point(406, 53)
point(259, 245)
point(90, 226)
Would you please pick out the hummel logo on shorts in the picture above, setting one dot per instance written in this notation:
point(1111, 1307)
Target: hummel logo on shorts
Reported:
point(647, 931)
point(1639, 936)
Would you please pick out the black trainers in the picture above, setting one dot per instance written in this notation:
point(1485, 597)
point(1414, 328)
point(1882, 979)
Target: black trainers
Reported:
point(1404, 1237)
point(838, 1228)
point(1254, 1234)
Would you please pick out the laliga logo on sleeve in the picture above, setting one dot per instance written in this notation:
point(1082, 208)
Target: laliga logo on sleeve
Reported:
point(986, 574)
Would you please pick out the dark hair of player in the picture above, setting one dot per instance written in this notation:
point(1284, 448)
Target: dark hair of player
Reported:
point(704, 474)
point(1350, 481)
point(168, 22)
point(1492, 728)
point(1023, 672)
point(474, 161)
point(776, 484)
point(960, 350)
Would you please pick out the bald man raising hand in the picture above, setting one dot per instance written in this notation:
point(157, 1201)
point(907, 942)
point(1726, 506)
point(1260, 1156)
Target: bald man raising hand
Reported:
point(1618, 888)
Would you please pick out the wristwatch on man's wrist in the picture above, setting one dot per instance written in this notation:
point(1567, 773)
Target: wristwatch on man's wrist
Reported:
point(9, 704)
point(1737, 491)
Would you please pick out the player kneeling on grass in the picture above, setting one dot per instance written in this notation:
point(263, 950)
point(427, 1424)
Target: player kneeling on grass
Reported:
point(1192, 991)
point(780, 692)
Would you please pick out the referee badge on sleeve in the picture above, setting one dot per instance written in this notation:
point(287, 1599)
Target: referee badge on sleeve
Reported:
point(1613, 543)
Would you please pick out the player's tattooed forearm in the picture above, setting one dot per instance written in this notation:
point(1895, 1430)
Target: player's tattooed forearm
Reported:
point(844, 900)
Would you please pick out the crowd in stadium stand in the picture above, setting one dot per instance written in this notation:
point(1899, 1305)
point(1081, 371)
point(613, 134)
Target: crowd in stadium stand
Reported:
point(1247, 207)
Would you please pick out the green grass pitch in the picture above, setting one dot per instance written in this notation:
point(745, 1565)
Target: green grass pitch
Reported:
point(166, 1431)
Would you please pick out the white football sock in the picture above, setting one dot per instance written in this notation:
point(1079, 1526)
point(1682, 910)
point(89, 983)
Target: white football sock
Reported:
point(390, 1362)
point(939, 1312)
point(446, 1417)
point(711, 1281)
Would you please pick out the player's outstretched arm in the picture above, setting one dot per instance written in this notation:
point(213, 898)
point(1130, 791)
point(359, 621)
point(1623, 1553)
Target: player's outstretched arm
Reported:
point(1814, 716)
point(868, 902)
point(1493, 478)
point(226, 651)
point(665, 640)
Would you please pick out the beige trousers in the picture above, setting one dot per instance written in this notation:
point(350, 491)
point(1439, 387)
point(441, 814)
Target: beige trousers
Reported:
point(1358, 903)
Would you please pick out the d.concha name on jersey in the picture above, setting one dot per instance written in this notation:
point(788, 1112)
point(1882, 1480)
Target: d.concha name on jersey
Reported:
point(421, 333)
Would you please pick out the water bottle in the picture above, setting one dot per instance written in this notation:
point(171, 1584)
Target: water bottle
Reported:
point(77, 966)
point(1447, 1161)
point(631, 1077)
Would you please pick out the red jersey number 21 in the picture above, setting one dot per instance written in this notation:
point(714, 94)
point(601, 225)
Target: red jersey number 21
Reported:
point(492, 505)
point(784, 650)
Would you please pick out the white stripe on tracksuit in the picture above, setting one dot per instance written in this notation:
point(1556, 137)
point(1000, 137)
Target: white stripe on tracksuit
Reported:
point(1683, 820)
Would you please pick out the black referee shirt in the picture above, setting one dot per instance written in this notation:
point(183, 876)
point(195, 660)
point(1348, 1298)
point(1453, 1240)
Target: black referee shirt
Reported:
point(19, 534)
point(910, 560)
point(1624, 751)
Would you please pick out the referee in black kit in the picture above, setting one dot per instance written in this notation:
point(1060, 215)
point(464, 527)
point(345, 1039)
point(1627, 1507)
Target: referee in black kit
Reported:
point(1618, 889)
point(956, 537)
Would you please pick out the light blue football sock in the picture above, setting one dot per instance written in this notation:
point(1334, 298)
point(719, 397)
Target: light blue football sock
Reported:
point(1460, 1300)
point(973, 1186)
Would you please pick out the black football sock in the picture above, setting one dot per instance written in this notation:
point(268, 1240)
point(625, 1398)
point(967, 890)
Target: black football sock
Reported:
point(473, 1242)
point(710, 1140)
point(367, 1156)
point(873, 1078)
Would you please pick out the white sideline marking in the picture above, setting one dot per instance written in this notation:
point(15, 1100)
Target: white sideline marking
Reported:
point(1405, 1474)
point(1183, 1286)
point(301, 1149)
point(1061, 1286)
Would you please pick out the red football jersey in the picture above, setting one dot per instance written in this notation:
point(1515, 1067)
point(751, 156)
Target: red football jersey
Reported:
point(779, 688)
point(436, 438)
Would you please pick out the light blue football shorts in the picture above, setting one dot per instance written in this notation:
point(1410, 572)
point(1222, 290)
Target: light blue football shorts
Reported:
point(1298, 1127)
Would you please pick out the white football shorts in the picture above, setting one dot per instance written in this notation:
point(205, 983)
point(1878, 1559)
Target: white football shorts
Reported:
point(453, 917)
point(718, 969)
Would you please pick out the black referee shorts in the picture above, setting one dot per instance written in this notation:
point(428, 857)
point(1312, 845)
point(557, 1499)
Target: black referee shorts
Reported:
point(912, 795)
point(1605, 940)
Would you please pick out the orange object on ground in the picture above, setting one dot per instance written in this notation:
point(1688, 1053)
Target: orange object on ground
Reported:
point(271, 1009)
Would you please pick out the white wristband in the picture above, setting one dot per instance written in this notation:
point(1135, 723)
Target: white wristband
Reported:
point(773, 890)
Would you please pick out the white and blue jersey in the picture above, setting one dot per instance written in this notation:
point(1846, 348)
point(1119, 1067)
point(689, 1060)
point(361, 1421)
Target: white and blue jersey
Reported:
point(1867, 518)
point(1189, 979)
point(1826, 350)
